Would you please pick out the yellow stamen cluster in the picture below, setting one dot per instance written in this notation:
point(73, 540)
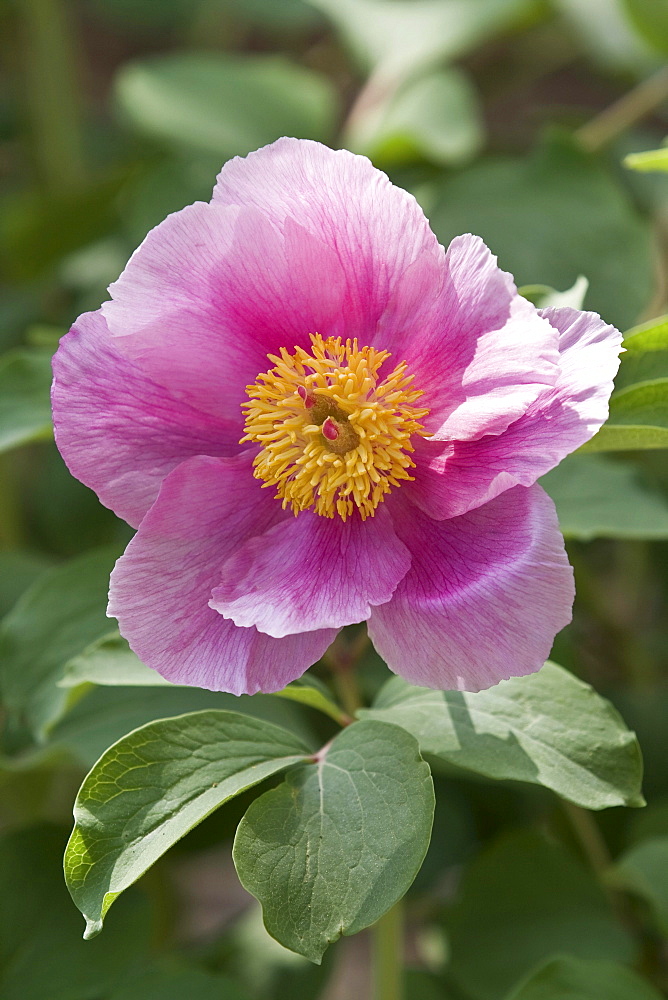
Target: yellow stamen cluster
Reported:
point(334, 436)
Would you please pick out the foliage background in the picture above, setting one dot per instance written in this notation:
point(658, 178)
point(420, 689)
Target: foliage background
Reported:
point(493, 113)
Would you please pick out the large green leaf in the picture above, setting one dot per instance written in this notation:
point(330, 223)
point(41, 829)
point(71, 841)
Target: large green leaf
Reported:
point(645, 354)
point(222, 104)
point(149, 789)
point(25, 406)
point(643, 870)
point(398, 39)
point(523, 901)
point(597, 497)
point(41, 951)
point(54, 620)
point(579, 979)
point(434, 117)
point(171, 981)
point(638, 419)
point(335, 845)
point(553, 216)
point(548, 729)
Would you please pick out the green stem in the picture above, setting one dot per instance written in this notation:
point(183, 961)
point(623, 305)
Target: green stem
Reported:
point(51, 93)
point(388, 955)
point(348, 690)
point(624, 113)
point(589, 837)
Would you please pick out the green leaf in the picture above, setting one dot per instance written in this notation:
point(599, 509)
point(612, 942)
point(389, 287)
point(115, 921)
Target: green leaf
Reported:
point(545, 297)
point(54, 620)
point(578, 979)
point(395, 40)
point(222, 104)
point(149, 789)
point(654, 160)
point(638, 419)
point(334, 846)
point(435, 117)
point(645, 354)
point(41, 951)
point(650, 17)
point(171, 981)
point(110, 661)
point(643, 870)
point(18, 570)
point(515, 205)
point(619, 47)
point(308, 691)
point(523, 901)
point(25, 405)
point(548, 729)
point(602, 498)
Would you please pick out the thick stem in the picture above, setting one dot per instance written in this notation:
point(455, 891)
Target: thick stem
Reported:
point(625, 112)
point(51, 93)
point(388, 955)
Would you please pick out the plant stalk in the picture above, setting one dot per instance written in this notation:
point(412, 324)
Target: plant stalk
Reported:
point(388, 955)
point(624, 113)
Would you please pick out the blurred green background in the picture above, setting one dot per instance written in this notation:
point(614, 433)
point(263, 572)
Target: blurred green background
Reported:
point(506, 118)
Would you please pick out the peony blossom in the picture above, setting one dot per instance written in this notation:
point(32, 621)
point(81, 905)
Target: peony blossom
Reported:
point(315, 415)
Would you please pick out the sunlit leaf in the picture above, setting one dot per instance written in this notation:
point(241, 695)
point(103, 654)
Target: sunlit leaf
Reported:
point(154, 785)
point(548, 729)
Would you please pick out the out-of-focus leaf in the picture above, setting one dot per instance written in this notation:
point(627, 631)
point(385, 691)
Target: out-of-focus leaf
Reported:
point(37, 231)
point(41, 951)
point(545, 297)
point(549, 729)
point(600, 498)
point(109, 661)
point(333, 847)
point(108, 713)
point(435, 117)
point(644, 871)
point(645, 354)
point(149, 789)
point(401, 38)
point(652, 160)
point(222, 104)
point(54, 620)
point(523, 901)
point(578, 979)
point(638, 419)
point(604, 29)
point(651, 19)
point(25, 405)
point(18, 570)
point(169, 981)
point(551, 217)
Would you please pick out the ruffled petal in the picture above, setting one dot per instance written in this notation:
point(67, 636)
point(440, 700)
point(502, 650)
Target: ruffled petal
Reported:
point(161, 587)
point(481, 354)
point(119, 432)
point(211, 292)
point(485, 595)
point(449, 481)
point(312, 572)
point(377, 231)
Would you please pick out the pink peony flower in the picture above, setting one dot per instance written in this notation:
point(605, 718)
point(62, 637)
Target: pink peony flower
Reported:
point(315, 415)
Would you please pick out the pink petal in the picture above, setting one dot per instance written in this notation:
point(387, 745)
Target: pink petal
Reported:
point(485, 595)
point(119, 432)
point(377, 231)
point(467, 474)
point(211, 291)
point(312, 572)
point(161, 587)
point(483, 354)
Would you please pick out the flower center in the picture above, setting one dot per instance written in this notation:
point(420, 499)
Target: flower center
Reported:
point(334, 436)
